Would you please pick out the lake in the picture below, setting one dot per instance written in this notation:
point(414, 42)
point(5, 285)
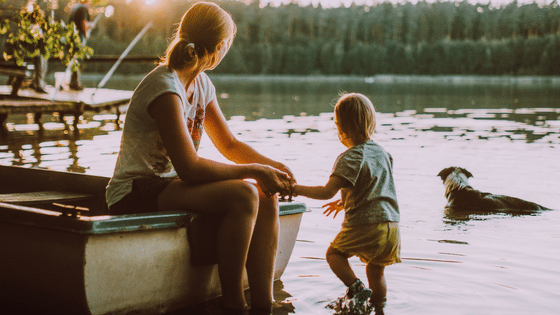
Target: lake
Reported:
point(506, 132)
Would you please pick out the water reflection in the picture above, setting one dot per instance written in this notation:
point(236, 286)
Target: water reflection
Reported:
point(283, 300)
point(257, 98)
point(282, 304)
point(28, 144)
point(510, 134)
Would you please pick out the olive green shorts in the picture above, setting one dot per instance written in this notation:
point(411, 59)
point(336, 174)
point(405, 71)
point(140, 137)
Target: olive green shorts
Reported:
point(376, 243)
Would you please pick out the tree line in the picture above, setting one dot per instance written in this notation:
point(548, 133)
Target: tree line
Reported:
point(403, 38)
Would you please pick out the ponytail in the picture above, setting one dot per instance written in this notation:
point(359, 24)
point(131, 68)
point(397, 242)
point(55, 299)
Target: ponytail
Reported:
point(203, 27)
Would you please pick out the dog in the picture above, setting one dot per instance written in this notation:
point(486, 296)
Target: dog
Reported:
point(461, 196)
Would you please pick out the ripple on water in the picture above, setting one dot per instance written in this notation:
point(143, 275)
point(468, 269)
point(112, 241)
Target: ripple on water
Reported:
point(481, 264)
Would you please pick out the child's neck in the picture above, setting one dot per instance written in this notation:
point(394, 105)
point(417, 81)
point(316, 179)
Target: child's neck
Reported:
point(350, 143)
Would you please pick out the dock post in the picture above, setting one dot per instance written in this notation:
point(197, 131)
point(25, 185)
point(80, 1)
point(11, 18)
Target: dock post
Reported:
point(3, 127)
point(76, 121)
point(37, 120)
point(118, 112)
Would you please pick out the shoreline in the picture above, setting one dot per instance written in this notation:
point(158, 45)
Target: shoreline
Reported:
point(463, 80)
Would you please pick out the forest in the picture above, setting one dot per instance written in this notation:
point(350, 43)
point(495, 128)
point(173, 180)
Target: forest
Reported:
point(424, 38)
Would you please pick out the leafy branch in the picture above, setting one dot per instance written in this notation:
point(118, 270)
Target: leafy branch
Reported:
point(36, 35)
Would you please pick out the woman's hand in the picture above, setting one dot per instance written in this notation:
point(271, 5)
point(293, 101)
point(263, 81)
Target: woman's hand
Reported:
point(286, 170)
point(334, 206)
point(289, 192)
point(272, 180)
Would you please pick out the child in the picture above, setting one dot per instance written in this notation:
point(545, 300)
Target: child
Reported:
point(370, 229)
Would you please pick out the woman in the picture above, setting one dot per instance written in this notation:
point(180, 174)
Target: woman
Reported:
point(158, 166)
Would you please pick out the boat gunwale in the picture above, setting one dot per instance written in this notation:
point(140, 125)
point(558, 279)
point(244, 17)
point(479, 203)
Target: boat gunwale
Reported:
point(106, 224)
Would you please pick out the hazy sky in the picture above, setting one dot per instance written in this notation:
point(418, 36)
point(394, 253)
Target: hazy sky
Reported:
point(335, 3)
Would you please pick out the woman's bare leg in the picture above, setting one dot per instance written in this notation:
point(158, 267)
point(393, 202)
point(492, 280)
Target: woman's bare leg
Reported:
point(238, 201)
point(262, 253)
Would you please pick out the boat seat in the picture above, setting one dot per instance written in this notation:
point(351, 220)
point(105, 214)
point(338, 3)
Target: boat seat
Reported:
point(46, 196)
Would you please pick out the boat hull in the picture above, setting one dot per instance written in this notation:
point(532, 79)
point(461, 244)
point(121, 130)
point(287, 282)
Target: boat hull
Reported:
point(134, 264)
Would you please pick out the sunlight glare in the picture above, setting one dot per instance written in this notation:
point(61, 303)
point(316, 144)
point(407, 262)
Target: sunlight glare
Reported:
point(150, 2)
point(348, 3)
point(109, 11)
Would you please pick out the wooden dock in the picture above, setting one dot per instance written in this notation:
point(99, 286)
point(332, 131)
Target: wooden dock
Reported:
point(64, 103)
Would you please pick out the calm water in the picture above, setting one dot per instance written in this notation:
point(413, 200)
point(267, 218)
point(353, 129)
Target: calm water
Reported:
point(508, 136)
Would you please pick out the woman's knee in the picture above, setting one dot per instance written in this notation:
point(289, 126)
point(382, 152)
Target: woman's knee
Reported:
point(243, 197)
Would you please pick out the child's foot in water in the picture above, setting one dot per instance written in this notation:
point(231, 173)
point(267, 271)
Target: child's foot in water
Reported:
point(357, 296)
point(354, 302)
point(376, 307)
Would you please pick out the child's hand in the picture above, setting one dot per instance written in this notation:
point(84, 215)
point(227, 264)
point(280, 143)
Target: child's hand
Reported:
point(289, 192)
point(334, 206)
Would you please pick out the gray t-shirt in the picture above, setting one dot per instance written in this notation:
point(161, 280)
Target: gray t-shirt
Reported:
point(371, 198)
point(142, 153)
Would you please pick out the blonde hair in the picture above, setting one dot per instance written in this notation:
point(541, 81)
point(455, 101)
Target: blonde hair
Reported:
point(203, 27)
point(355, 117)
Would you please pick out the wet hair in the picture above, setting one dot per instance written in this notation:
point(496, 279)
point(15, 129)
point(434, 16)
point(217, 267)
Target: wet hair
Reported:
point(195, 43)
point(355, 117)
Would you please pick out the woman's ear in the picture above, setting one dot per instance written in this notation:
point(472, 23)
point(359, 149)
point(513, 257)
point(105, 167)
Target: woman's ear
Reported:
point(220, 46)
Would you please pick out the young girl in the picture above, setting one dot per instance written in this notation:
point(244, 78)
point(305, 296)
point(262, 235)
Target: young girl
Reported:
point(158, 168)
point(370, 230)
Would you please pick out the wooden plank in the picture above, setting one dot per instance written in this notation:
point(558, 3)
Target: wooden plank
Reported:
point(16, 72)
point(46, 196)
point(114, 58)
point(32, 106)
point(89, 96)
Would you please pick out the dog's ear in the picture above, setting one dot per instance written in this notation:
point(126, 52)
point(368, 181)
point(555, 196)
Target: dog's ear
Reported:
point(445, 172)
point(464, 171)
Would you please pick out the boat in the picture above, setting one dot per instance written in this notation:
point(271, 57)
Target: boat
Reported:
point(63, 253)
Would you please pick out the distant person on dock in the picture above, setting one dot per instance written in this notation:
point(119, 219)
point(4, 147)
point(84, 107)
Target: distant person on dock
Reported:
point(79, 15)
point(370, 230)
point(158, 167)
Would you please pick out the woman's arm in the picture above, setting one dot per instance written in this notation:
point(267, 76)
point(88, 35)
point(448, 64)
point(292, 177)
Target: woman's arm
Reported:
point(191, 168)
point(229, 146)
point(321, 192)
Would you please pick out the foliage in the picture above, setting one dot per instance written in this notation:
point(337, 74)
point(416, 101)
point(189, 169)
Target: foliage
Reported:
point(425, 38)
point(36, 35)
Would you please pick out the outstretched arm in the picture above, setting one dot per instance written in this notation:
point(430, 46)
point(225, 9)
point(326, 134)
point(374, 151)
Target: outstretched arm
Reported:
point(229, 146)
point(321, 192)
point(191, 168)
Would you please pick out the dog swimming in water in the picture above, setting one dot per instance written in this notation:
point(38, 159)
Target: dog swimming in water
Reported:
point(461, 196)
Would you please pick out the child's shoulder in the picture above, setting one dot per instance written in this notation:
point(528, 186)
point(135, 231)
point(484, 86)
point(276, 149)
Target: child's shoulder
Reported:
point(369, 146)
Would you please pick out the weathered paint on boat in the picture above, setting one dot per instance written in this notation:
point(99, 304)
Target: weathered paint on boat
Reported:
point(104, 264)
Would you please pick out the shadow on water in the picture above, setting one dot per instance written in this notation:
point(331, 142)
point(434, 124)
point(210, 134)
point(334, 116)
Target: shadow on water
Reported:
point(457, 216)
point(282, 304)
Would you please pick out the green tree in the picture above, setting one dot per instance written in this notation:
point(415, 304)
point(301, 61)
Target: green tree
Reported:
point(550, 62)
point(36, 35)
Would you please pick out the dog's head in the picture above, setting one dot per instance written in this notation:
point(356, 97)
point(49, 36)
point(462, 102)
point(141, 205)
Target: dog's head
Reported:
point(454, 178)
point(444, 173)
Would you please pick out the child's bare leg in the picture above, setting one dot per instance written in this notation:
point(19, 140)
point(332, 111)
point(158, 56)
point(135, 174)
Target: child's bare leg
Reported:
point(263, 245)
point(377, 283)
point(340, 266)
point(237, 200)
